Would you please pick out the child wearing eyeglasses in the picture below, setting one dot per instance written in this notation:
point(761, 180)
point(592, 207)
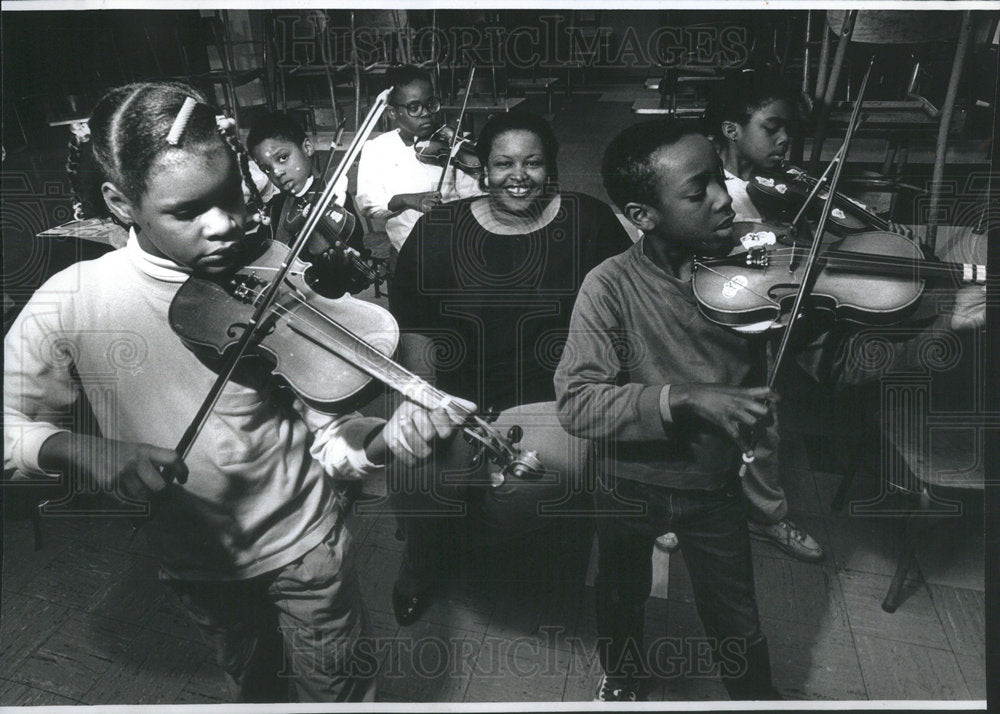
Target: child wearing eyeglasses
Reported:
point(392, 183)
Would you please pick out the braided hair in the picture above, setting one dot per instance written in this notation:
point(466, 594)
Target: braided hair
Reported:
point(227, 128)
point(129, 129)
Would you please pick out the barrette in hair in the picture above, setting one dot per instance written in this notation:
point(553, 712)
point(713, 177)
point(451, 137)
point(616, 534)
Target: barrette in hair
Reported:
point(180, 123)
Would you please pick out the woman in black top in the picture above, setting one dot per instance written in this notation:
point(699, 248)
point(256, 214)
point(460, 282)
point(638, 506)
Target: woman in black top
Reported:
point(483, 292)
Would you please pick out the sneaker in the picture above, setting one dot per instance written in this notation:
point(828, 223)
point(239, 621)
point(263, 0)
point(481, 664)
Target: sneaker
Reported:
point(790, 538)
point(607, 692)
point(668, 543)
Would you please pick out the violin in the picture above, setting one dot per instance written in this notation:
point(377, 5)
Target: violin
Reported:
point(327, 350)
point(268, 299)
point(873, 278)
point(446, 144)
point(783, 191)
point(436, 150)
point(331, 240)
point(330, 243)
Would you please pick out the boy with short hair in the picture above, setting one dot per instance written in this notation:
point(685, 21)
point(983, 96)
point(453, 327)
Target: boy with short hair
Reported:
point(664, 394)
point(393, 184)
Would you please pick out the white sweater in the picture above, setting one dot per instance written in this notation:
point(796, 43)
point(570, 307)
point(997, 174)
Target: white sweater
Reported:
point(256, 497)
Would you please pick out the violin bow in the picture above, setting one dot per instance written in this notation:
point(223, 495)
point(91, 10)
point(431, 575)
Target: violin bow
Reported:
point(818, 185)
point(809, 269)
point(453, 149)
point(334, 143)
point(270, 293)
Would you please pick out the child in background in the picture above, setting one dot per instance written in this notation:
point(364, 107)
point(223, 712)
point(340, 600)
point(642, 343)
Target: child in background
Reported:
point(282, 149)
point(253, 542)
point(753, 121)
point(393, 185)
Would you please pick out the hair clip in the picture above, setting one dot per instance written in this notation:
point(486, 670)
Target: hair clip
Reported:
point(177, 128)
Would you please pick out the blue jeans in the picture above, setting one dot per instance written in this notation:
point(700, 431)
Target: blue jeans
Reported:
point(712, 529)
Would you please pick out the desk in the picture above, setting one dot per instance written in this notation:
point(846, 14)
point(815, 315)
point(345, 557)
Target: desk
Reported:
point(479, 105)
point(486, 106)
point(94, 230)
point(654, 82)
point(655, 106)
point(543, 84)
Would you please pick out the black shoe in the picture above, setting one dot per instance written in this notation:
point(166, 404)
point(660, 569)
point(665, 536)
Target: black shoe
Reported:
point(409, 609)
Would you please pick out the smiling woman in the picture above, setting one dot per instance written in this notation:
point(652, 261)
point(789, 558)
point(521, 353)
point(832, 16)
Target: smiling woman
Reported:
point(483, 291)
point(519, 152)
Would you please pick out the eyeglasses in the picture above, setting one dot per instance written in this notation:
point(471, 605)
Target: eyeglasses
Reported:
point(414, 108)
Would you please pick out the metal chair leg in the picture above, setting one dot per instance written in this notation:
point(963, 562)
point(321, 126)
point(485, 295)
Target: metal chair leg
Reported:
point(944, 125)
point(826, 104)
point(915, 525)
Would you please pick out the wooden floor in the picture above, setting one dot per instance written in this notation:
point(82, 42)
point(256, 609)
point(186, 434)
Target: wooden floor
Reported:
point(84, 619)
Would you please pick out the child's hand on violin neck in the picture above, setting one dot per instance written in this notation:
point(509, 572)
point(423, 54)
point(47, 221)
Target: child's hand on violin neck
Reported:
point(969, 312)
point(412, 430)
point(128, 470)
point(736, 410)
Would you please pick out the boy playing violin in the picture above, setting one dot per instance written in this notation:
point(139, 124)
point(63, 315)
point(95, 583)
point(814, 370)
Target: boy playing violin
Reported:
point(752, 122)
point(393, 184)
point(665, 394)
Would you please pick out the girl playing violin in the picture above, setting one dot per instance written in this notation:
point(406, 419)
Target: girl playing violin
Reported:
point(393, 184)
point(253, 542)
point(751, 123)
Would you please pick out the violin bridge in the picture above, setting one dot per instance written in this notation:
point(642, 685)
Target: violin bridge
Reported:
point(247, 289)
point(758, 257)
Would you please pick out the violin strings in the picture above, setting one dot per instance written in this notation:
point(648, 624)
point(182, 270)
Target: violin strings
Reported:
point(748, 289)
point(864, 210)
point(435, 393)
point(317, 334)
point(851, 258)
